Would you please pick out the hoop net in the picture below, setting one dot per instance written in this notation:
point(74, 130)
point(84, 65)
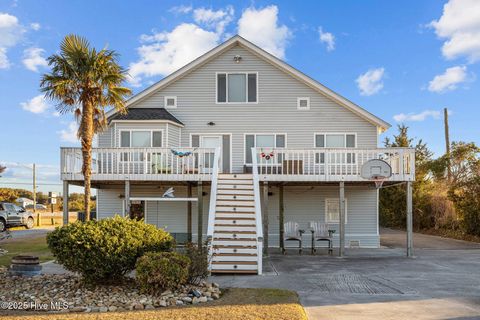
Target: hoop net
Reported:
point(378, 180)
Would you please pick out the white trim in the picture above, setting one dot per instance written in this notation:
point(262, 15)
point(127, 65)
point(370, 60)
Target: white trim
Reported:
point(303, 108)
point(167, 144)
point(335, 200)
point(269, 58)
point(377, 212)
point(275, 134)
point(149, 121)
point(226, 86)
point(146, 130)
point(215, 134)
point(166, 106)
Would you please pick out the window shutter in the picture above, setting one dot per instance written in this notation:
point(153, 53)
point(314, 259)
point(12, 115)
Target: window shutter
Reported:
point(125, 139)
point(252, 87)
point(249, 144)
point(222, 87)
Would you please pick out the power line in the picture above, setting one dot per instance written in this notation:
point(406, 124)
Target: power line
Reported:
point(26, 183)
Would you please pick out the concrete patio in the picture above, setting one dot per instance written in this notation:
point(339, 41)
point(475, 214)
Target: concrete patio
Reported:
point(442, 281)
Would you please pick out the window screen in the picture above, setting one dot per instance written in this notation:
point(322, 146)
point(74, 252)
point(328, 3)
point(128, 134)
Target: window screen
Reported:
point(125, 139)
point(157, 139)
point(222, 87)
point(236, 88)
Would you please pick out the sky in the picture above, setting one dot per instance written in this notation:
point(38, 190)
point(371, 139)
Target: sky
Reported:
point(404, 61)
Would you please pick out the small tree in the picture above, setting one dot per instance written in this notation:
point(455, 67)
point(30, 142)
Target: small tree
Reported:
point(2, 169)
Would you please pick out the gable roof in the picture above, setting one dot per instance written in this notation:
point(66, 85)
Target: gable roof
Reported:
point(238, 40)
point(145, 114)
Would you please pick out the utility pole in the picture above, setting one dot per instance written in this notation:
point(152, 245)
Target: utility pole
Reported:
point(447, 144)
point(34, 190)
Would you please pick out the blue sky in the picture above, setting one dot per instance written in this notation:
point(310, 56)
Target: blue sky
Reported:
point(402, 60)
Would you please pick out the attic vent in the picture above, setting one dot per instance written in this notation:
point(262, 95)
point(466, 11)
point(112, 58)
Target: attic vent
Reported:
point(170, 102)
point(303, 103)
point(354, 244)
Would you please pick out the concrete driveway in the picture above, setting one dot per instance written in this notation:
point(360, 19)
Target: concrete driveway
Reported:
point(441, 282)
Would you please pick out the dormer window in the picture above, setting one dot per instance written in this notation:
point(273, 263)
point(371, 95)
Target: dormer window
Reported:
point(170, 102)
point(303, 103)
point(237, 87)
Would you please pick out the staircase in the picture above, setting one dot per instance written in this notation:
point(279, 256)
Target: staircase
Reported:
point(236, 241)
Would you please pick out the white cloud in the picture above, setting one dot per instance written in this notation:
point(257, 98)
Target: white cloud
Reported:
point(165, 52)
point(33, 58)
point(217, 20)
point(371, 82)
point(261, 27)
point(11, 32)
point(69, 134)
point(181, 9)
point(327, 38)
point(449, 80)
point(36, 104)
point(35, 26)
point(422, 116)
point(460, 26)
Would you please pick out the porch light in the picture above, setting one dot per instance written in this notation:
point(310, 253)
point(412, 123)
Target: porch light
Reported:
point(211, 123)
point(237, 58)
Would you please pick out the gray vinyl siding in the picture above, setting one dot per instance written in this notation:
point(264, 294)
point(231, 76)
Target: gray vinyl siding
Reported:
point(173, 135)
point(105, 138)
point(305, 204)
point(275, 112)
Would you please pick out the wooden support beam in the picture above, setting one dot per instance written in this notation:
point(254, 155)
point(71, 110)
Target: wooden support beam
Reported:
point(265, 217)
point(200, 213)
point(409, 220)
point(341, 248)
point(189, 213)
point(281, 215)
point(127, 198)
point(65, 203)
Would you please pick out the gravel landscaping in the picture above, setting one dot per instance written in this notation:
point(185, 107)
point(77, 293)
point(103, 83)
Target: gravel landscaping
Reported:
point(66, 293)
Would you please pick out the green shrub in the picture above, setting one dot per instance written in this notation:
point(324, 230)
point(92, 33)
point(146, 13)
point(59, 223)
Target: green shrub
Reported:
point(157, 271)
point(104, 251)
point(198, 256)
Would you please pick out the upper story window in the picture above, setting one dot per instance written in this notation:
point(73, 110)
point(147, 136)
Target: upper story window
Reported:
point(170, 102)
point(140, 139)
point(237, 87)
point(335, 140)
point(303, 103)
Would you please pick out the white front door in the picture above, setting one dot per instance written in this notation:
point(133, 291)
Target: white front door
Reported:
point(210, 142)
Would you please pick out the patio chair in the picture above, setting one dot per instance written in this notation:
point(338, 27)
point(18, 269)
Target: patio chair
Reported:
point(321, 232)
point(292, 232)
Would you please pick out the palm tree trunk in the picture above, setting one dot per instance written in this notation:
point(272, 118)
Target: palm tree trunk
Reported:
point(87, 137)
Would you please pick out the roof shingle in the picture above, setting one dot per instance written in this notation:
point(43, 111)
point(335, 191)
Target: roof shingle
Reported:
point(145, 114)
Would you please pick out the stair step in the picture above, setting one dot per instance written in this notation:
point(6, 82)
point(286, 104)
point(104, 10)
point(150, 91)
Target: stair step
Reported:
point(235, 258)
point(234, 187)
point(234, 209)
point(224, 197)
point(234, 236)
point(239, 263)
point(235, 176)
point(235, 182)
point(234, 246)
point(238, 238)
point(235, 192)
point(235, 215)
point(237, 221)
point(236, 203)
point(235, 271)
point(232, 242)
point(222, 232)
point(233, 250)
point(235, 227)
point(236, 254)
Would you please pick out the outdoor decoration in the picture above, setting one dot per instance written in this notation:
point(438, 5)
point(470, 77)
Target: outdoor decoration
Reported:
point(182, 154)
point(267, 155)
point(169, 193)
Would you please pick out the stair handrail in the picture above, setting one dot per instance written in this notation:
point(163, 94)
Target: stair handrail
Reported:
point(258, 210)
point(213, 203)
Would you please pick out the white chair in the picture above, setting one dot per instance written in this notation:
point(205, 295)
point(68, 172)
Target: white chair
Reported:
point(321, 232)
point(292, 232)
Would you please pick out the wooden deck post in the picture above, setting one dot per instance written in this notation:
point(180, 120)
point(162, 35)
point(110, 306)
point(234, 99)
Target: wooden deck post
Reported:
point(127, 198)
point(189, 213)
point(200, 213)
point(65, 202)
point(265, 218)
point(341, 247)
point(409, 220)
point(281, 218)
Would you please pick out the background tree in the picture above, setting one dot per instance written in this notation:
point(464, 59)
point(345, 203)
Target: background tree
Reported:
point(2, 170)
point(84, 81)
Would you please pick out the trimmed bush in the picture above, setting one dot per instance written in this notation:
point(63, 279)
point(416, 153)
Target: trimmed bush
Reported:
point(198, 256)
point(104, 251)
point(157, 271)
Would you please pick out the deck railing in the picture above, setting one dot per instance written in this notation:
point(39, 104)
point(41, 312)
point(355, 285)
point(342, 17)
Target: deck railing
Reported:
point(140, 163)
point(329, 164)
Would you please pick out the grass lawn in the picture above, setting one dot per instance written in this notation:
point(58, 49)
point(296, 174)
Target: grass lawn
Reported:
point(235, 304)
point(36, 246)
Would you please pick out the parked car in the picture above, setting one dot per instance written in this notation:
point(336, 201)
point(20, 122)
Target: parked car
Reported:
point(38, 206)
point(13, 216)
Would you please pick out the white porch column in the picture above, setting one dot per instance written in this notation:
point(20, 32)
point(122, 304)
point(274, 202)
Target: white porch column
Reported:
point(409, 220)
point(65, 202)
point(341, 247)
point(200, 214)
point(127, 198)
point(265, 217)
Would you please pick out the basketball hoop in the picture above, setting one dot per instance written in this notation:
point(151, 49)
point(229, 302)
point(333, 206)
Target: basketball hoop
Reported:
point(376, 170)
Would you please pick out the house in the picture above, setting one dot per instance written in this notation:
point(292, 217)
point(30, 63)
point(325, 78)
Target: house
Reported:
point(24, 202)
point(248, 143)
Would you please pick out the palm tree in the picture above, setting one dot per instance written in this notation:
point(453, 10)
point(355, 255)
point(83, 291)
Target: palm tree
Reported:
point(84, 81)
